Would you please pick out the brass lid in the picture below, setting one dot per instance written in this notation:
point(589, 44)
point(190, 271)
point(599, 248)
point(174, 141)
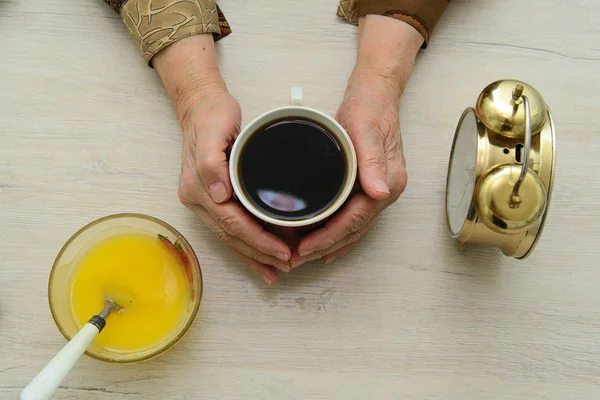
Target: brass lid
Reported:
point(501, 113)
point(496, 206)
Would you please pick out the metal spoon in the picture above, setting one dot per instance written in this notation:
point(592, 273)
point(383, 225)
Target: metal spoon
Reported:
point(49, 378)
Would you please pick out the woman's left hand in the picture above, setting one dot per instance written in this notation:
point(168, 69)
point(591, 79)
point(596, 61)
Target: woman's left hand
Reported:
point(369, 113)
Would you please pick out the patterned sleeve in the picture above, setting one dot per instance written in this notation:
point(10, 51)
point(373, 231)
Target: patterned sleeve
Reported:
point(423, 15)
point(155, 24)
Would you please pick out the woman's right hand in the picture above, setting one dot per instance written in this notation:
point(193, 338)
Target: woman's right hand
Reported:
point(210, 119)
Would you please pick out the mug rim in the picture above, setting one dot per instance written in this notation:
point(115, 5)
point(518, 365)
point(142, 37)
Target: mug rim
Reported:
point(345, 141)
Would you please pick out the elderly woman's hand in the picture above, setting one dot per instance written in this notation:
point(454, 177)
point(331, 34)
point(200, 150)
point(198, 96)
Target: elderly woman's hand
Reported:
point(210, 120)
point(369, 113)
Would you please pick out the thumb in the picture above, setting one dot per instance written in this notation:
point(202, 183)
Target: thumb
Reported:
point(214, 170)
point(372, 165)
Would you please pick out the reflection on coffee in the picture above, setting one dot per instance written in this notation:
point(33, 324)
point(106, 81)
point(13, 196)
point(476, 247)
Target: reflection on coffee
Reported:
point(292, 169)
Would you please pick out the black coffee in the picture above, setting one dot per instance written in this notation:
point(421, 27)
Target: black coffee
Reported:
point(292, 169)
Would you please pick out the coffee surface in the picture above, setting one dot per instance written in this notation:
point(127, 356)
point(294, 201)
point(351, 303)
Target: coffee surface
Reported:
point(292, 169)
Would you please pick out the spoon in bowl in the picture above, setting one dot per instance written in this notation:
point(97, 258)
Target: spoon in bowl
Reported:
point(49, 378)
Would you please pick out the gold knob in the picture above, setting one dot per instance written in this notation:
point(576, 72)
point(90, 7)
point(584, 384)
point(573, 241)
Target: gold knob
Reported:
point(499, 210)
point(499, 107)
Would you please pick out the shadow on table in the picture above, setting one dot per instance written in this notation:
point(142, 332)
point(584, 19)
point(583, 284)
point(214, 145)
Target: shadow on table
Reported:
point(474, 260)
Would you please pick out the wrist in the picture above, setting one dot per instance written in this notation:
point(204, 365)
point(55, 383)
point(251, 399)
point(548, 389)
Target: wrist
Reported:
point(387, 49)
point(189, 71)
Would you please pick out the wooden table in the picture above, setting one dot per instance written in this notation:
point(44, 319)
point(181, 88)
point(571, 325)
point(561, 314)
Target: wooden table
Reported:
point(86, 130)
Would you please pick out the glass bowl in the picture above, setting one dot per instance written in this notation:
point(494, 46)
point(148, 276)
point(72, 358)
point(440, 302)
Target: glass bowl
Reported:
point(84, 239)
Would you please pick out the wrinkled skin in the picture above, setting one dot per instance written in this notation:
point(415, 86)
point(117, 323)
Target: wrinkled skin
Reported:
point(210, 127)
point(369, 113)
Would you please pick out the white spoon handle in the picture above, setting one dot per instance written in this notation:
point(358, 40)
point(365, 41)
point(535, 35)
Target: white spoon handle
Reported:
point(48, 380)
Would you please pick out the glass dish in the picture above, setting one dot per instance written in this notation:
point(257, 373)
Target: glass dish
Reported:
point(86, 238)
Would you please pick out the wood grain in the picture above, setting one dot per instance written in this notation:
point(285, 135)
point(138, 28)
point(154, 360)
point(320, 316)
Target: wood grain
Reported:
point(86, 130)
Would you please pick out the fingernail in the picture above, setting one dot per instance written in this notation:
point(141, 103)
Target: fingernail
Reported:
point(267, 280)
point(283, 267)
point(380, 186)
point(297, 263)
point(218, 192)
point(304, 253)
point(329, 260)
point(282, 256)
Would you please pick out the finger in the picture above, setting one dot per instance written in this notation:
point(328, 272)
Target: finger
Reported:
point(237, 244)
point(231, 218)
point(328, 259)
point(372, 163)
point(351, 238)
point(359, 211)
point(252, 253)
point(266, 272)
point(212, 165)
point(397, 176)
point(237, 223)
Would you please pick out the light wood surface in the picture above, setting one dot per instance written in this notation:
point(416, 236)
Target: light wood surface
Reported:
point(86, 130)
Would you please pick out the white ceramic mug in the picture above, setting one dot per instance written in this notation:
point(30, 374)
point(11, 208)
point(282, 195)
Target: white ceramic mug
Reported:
point(296, 109)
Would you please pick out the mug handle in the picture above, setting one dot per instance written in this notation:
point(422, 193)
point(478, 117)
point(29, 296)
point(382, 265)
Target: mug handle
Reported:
point(296, 96)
